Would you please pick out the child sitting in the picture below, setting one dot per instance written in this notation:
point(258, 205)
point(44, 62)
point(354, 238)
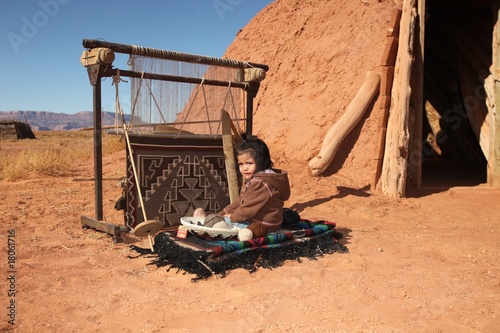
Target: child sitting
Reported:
point(258, 210)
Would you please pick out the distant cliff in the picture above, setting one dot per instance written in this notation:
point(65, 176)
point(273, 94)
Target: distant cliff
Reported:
point(48, 121)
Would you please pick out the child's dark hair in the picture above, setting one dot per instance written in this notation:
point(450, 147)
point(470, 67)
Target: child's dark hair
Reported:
point(257, 149)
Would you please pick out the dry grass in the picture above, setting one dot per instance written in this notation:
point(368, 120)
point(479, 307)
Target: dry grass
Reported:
point(53, 153)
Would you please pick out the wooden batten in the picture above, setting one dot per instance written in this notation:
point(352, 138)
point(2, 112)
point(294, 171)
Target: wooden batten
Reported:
point(383, 103)
point(390, 51)
point(393, 29)
point(382, 106)
point(386, 79)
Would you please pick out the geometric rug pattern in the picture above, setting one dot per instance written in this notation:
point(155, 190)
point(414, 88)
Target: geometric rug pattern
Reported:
point(177, 174)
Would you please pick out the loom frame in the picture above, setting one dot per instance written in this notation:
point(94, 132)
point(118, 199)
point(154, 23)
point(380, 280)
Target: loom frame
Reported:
point(99, 70)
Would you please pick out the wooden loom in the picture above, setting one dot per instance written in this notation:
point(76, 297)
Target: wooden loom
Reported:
point(186, 155)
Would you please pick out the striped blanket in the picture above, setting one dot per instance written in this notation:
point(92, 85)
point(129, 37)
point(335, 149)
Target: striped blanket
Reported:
point(207, 257)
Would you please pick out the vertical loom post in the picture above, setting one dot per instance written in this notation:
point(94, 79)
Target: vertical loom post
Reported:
point(251, 93)
point(98, 151)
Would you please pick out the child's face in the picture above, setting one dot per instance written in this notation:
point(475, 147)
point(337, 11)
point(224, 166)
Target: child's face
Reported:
point(247, 165)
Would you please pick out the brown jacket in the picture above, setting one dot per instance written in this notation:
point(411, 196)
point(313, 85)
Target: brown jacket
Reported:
point(261, 200)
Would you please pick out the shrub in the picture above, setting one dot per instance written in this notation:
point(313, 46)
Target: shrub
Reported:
point(54, 153)
point(50, 162)
point(112, 143)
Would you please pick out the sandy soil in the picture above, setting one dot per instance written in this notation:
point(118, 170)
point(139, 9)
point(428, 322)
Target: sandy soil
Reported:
point(427, 263)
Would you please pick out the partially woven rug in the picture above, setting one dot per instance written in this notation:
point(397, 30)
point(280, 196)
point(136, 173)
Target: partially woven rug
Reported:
point(206, 257)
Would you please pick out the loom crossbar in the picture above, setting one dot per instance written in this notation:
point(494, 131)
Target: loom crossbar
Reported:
point(174, 78)
point(170, 55)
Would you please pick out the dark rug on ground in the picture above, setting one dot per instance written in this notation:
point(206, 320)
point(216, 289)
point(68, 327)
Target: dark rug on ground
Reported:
point(206, 257)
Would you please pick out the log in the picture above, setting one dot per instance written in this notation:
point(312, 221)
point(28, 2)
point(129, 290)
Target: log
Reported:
point(417, 99)
point(346, 123)
point(394, 170)
point(494, 162)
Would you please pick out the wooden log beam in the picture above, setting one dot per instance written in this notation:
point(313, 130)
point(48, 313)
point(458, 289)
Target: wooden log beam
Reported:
point(346, 123)
point(170, 55)
point(417, 99)
point(109, 228)
point(394, 170)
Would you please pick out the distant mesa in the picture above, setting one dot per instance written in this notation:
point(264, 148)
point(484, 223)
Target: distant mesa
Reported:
point(51, 121)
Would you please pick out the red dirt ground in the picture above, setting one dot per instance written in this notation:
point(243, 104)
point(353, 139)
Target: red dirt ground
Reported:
point(420, 264)
point(426, 263)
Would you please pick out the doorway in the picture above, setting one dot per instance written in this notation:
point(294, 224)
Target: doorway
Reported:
point(458, 55)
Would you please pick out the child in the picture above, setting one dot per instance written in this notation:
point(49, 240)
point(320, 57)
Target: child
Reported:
point(259, 207)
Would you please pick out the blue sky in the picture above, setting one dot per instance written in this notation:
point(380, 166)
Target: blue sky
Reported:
point(41, 42)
